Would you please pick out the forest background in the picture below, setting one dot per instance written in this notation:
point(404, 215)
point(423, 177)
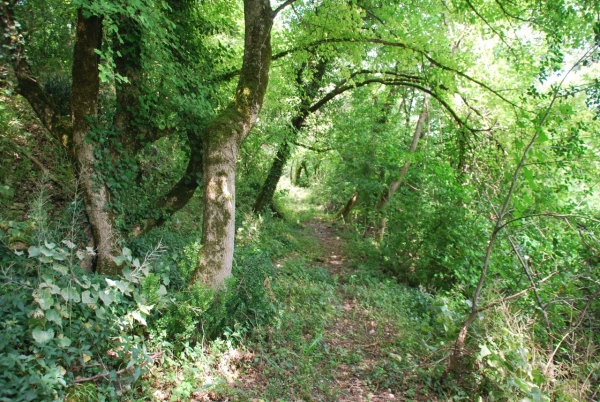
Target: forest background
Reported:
point(143, 143)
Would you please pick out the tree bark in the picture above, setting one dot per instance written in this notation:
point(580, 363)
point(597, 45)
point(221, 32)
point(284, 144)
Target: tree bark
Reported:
point(84, 108)
point(180, 194)
point(221, 142)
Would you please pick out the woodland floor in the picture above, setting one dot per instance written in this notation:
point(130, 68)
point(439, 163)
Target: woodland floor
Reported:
point(353, 330)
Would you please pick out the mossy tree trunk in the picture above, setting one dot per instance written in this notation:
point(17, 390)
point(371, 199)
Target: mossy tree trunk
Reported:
point(72, 133)
point(308, 92)
point(221, 141)
point(84, 109)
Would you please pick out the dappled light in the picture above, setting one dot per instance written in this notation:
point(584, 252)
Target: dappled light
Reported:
point(297, 200)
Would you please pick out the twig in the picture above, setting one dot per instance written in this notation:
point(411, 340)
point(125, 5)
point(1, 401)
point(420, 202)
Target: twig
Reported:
point(102, 375)
point(581, 318)
point(98, 376)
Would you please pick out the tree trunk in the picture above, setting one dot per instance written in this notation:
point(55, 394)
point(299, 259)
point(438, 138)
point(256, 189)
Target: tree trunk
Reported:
point(308, 93)
point(386, 197)
point(180, 194)
point(218, 226)
point(349, 205)
point(268, 189)
point(221, 141)
point(84, 107)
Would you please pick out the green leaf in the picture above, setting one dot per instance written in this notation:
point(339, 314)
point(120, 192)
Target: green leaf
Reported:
point(101, 312)
point(106, 296)
point(528, 174)
point(69, 244)
point(70, 293)
point(61, 269)
point(145, 309)
point(484, 351)
point(119, 260)
point(43, 297)
point(41, 336)
point(138, 317)
point(6, 191)
point(80, 254)
point(63, 341)
point(166, 280)
point(34, 251)
point(54, 316)
point(88, 298)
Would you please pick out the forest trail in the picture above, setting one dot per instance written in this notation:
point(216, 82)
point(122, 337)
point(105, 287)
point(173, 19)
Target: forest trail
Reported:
point(354, 342)
point(353, 329)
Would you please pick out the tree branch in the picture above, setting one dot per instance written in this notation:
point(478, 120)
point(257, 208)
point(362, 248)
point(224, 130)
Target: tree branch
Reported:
point(398, 45)
point(282, 6)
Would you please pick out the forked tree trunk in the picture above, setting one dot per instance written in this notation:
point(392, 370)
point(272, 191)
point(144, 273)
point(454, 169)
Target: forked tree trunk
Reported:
point(84, 108)
point(221, 142)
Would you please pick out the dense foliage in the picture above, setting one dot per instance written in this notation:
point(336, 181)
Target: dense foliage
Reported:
point(451, 143)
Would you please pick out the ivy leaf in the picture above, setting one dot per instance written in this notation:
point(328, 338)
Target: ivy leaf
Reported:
point(61, 269)
point(145, 309)
point(88, 298)
point(119, 260)
point(69, 244)
point(138, 317)
point(80, 254)
point(166, 280)
point(52, 315)
point(41, 336)
point(101, 313)
point(43, 297)
point(484, 351)
point(63, 341)
point(34, 252)
point(70, 294)
point(106, 296)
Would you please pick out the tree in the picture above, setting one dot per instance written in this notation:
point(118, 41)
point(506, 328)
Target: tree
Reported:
point(221, 142)
point(72, 134)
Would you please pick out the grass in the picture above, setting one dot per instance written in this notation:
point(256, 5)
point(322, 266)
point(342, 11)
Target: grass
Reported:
point(340, 329)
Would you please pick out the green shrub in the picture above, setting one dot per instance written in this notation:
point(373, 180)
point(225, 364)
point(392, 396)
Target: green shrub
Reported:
point(60, 324)
point(198, 313)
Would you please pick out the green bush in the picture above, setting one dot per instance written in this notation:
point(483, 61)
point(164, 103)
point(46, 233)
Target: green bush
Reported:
point(60, 325)
point(198, 313)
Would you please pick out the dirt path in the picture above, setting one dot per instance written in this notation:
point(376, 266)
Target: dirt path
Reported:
point(353, 330)
point(355, 343)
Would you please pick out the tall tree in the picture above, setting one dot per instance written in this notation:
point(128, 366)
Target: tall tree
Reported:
point(221, 141)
